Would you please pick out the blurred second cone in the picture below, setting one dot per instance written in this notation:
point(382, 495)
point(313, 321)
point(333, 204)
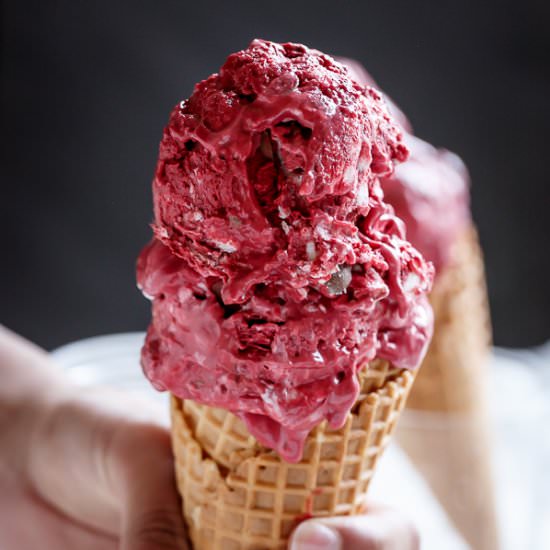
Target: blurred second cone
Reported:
point(445, 429)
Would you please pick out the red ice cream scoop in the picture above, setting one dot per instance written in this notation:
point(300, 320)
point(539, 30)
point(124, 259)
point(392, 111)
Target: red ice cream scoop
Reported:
point(277, 270)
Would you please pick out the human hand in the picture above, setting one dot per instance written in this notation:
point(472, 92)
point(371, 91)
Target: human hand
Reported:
point(379, 528)
point(80, 469)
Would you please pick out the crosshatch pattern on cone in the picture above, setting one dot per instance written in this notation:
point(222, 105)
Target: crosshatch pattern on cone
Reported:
point(240, 495)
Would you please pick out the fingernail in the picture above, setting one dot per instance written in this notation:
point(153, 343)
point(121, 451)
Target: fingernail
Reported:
point(315, 536)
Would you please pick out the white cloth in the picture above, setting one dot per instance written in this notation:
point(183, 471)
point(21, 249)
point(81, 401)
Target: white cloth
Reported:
point(520, 406)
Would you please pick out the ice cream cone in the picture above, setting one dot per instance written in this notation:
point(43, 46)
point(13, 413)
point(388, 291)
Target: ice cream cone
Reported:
point(445, 428)
point(239, 495)
point(276, 270)
point(453, 371)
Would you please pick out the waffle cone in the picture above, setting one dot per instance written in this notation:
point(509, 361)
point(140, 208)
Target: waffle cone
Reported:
point(445, 429)
point(239, 495)
point(453, 373)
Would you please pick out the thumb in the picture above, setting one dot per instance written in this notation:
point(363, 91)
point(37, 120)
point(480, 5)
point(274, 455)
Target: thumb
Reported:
point(152, 517)
point(379, 529)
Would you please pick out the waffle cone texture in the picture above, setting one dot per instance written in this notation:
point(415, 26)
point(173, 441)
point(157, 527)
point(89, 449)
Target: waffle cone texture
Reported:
point(453, 373)
point(238, 494)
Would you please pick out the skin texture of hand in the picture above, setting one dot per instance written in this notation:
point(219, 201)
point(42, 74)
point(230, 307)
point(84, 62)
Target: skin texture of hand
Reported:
point(380, 528)
point(80, 469)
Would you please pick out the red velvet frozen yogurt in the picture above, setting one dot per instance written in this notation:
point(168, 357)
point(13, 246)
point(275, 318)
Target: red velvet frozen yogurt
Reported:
point(277, 270)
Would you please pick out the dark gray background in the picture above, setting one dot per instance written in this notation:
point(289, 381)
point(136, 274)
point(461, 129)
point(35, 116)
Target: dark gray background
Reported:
point(87, 88)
